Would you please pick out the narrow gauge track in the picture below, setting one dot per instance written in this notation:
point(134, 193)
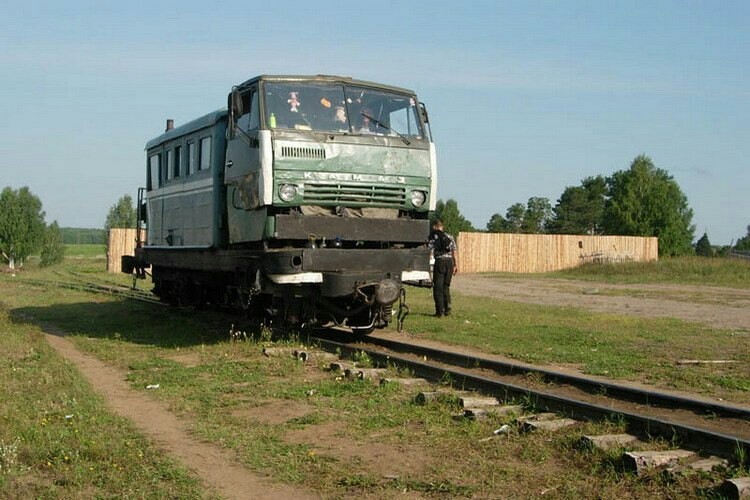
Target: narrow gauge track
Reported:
point(717, 436)
point(469, 372)
point(98, 288)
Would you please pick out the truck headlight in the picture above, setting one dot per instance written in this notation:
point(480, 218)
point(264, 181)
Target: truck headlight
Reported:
point(418, 198)
point(287, 192)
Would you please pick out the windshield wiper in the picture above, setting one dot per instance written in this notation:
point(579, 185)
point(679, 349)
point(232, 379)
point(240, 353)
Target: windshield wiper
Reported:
point(378, 122)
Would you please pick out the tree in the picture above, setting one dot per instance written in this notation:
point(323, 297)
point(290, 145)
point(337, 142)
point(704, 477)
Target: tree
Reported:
point(580, 208)
point(497, 224)
point(536, 216)
point(744, 242)
point(514, 217)
point(647, 201)
point(121, 214)
point(451, 216)
point(703, 247)
point(530, 218)
point(53, 250)
point(21, 225)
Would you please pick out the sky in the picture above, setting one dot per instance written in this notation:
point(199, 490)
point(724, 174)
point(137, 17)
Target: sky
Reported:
point(525, 98)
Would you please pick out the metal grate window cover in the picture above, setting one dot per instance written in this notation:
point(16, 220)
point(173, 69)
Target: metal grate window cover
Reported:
point(301, 152)
point(351, 193)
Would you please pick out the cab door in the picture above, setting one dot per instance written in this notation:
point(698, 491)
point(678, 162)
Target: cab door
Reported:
point(242, 169)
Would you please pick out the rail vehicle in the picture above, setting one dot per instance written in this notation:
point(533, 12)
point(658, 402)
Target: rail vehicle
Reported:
point(306, 200)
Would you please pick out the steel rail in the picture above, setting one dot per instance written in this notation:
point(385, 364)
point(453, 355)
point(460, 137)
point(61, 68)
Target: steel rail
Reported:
point(92, 288)
point(640, 395)
point(111, 284)
point(691, 437)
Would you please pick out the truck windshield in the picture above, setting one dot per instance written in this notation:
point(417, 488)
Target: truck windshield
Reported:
point(329, 107)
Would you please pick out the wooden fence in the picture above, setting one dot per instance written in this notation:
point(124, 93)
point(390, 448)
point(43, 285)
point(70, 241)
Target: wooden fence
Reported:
point(121, 242)
point(492, 252)
point(538, 253)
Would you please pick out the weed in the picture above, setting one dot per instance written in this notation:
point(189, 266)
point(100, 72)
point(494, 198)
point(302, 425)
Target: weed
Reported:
point(266, 334)
point(740, 454)
point(9, 456)
point(236, 335)
point(362, 359)
point(446, 379)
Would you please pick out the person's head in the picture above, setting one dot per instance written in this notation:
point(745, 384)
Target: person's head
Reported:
point(437, 225)
point(365, 115)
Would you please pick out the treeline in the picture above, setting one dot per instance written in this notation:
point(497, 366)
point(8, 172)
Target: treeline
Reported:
point(83, 236)
point(23, 230)
point(642, 200)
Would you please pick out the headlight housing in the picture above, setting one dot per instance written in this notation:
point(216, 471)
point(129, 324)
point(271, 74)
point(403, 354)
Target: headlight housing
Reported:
point(418, 198)
point(287, 192)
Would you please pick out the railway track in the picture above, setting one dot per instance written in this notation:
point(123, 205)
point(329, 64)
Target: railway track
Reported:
point(699, 424)
point(82, 284)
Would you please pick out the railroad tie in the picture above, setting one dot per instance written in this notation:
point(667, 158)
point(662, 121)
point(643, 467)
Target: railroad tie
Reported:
point(737, 488)
point(494, 411)
point(317, 356)
point(643, 461)
point(406, 382)
point(339, 366)
point(548, 425)
point(544, 422)
point(365, 373)
point(278, 351)
point(478, 402)
point(607, 442)
point(702, 465)
point(424, 398)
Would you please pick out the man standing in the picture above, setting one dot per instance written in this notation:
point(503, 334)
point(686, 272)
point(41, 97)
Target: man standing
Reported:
point(443, 248)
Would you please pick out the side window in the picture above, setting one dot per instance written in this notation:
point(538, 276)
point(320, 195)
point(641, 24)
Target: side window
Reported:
point(205, 162)
point(154, 164)
point(191, 158)
point(177, 161)
point(170, 163)
point(250, 120)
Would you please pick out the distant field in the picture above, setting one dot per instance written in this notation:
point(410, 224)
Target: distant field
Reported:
point(90, 251)
point(682, 270)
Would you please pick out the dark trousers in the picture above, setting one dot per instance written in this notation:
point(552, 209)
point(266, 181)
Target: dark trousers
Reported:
point(442, 274)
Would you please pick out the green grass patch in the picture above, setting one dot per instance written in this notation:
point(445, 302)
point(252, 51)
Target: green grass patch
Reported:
point(679, 270)
point(615, 346)
point(85, 251)
point(347, 438)
point(58, 440)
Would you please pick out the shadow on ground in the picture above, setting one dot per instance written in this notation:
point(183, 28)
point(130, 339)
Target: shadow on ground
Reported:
point(132, 321)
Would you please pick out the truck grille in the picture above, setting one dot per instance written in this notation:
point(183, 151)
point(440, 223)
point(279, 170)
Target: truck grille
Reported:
point(341, 193)
point(303, 152)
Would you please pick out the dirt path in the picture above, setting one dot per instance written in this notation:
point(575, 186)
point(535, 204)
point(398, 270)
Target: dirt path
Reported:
point(714, 306)
point(218, 468)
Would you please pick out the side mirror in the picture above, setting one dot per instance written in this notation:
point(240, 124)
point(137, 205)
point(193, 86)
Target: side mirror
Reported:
point(425, 115)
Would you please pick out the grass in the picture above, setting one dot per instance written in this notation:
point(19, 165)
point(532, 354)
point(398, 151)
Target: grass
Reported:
point(725, 272)
point(58, 440)
point(601, 344)
point(343, 438)
point(85, 251)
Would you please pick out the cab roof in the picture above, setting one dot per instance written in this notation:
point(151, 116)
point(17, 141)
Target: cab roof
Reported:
point(204, 121)
point(322, 78)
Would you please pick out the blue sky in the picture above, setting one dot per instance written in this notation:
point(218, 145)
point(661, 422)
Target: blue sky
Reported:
point(525, 98)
